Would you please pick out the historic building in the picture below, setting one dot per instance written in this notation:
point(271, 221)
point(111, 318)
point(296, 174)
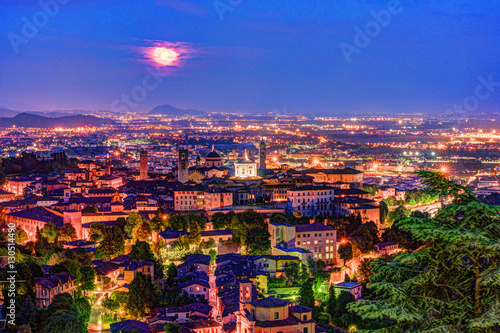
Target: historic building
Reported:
point(271, 315)
point(262, 155)
point(245, 171)
point(182, 167)
point(346, 175)
point(143, 164)
point(213, 159)
point(317, 238)
point(311, 200)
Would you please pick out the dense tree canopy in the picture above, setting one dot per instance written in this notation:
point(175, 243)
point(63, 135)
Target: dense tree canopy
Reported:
point(66, 315)
point(306, 294)
point(345, 251)
point(258, 242)
point(143, 296)
point(452, 282)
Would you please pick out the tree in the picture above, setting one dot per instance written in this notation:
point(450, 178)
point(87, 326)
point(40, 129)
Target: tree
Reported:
point(342, 316)
point(141, 231)
point(213, 255)
point(141, 251)
point(194, 233)
point(172, 328)
point(65, 316)
point(159, 223)
point(364, 271)
point(258, 242)
point(84, 308)
point(171, 274)
point(67, 233)
point(450, 283)
point(121, 222)
point(90, 209)
point(20, 236)
point(111, 305)
point(113, 242)
point(28, 313)
point(311, 265)
point(49, 232)
point(132, 220)
point(143, 296)
point(365, 237)
point(345, 251)
point(118, 241)
point(384, 210)
point(399, 213)
point(320, 266)
point(292, 271)
point(306, 294)
point(67, 265)
point(372, 189)
point(87, 278)
point(219, 221)
point(331, 302)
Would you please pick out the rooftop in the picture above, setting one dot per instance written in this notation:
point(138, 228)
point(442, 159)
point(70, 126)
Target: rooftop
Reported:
point(270, 302)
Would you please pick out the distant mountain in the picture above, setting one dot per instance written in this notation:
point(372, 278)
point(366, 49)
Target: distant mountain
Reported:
point(173, 111)
point(4, 112)
point(53, 114)
point(36, 121)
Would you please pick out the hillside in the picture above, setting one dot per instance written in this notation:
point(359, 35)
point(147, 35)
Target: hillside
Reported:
point(169, 110)
point(37, 121)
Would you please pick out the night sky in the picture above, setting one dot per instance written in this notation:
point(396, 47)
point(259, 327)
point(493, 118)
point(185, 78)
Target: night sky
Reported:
point(250, 55)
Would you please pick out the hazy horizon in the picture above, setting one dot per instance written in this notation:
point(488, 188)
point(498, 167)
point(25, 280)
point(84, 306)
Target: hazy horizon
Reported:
point(251, 57)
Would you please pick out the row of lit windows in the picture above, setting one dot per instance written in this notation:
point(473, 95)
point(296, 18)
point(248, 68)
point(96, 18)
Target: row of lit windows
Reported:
point(309, 193)
point(315, 235)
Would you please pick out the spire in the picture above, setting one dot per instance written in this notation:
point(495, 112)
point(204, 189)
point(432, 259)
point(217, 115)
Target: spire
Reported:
point(213, 147)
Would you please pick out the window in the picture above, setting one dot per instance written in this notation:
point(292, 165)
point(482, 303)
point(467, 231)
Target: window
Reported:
point(304, 317)
point(276, 315)
point(305, 329)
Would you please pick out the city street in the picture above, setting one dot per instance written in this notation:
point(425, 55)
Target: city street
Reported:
point(97, 309)
point(212, 301)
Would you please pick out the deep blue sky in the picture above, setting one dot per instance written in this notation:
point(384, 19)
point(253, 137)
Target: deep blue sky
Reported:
point(263, 56)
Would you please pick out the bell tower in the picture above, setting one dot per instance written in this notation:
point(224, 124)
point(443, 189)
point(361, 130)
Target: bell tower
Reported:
point(183, 166)
point(262, 151)
point(245, 293)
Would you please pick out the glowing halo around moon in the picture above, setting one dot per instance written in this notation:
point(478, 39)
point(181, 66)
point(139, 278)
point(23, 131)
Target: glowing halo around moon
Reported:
point(164, 56)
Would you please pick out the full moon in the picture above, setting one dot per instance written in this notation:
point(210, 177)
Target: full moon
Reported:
point(164, 56)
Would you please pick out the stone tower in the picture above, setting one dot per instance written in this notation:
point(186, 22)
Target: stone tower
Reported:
point(182, 167)
point(245, 293)
point(143, 164)
point(262, 164)
point(74, 218)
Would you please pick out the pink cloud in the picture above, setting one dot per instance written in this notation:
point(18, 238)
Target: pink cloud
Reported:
point(167, 57)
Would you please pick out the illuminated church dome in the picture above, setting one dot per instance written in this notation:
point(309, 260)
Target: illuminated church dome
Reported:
point(213, 159)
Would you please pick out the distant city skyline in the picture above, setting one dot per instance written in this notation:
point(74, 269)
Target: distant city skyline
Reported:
point(317, 57)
